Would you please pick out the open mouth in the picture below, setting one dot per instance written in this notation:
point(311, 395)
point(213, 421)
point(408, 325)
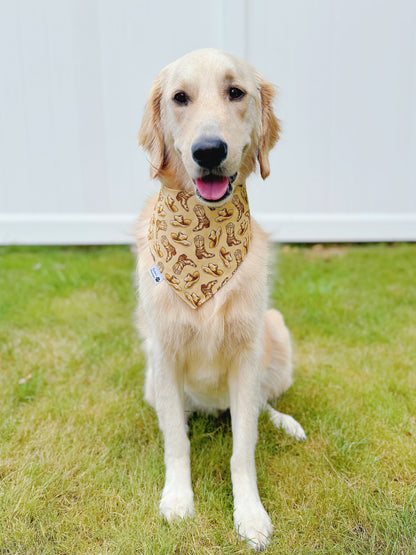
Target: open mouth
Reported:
point(214, 188)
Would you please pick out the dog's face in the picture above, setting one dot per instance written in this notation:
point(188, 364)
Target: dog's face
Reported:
point(208, 118)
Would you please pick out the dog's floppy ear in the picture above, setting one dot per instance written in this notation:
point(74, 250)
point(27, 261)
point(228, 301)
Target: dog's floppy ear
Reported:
point(151, 132)
point(269, 133)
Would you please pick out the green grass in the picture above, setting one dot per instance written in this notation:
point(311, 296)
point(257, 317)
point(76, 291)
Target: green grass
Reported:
point(81, 457)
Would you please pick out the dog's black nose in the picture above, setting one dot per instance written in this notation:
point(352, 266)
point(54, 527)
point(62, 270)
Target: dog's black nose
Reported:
point(209, 152)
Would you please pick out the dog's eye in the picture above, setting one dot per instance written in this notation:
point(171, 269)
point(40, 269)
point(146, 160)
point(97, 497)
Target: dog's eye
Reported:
point(181, 98)
point(235, 94)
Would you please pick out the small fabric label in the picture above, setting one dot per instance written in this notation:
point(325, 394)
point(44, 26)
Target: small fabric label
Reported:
point(155, 274)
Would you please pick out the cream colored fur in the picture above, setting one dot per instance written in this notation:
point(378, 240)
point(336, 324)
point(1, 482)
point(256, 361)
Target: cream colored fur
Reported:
point(232, 352)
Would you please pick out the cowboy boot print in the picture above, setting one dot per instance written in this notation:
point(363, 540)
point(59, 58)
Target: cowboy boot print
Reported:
point(182, 261)
point(238, 257)
point(231, 238)
point(183, 198)
point(200, 250)
point(170, 203)
point(160, 226)
point(203, 221)
point(243, 227)
point(239, 205)
point(170, 249)
point(206, 289)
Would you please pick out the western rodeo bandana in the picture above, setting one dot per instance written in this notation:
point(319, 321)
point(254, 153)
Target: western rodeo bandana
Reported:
point(196, 248)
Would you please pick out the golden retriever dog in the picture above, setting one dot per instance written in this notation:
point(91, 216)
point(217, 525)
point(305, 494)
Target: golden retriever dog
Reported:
point(210, 346)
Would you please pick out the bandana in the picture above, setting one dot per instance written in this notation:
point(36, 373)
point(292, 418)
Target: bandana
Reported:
point(196, 248)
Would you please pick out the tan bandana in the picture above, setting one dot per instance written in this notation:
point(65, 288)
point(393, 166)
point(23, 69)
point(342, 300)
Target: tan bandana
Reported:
point(196, 248)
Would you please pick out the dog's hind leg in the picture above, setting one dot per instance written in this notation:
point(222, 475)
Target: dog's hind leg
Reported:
point(149, 383)
point(286, 423)
point(277, 357)
point(278, 371)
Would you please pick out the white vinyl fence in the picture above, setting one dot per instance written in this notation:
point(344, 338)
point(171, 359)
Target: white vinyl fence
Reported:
point(74, 76)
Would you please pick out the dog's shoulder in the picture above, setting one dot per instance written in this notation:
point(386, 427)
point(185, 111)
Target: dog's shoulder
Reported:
point(143, 222)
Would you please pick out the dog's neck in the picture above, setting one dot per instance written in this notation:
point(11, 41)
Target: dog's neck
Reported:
point(196, 248)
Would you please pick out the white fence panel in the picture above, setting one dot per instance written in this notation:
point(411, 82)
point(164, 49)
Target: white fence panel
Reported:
point(74, 79)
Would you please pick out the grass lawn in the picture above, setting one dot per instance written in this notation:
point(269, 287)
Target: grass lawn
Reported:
point(81, 457)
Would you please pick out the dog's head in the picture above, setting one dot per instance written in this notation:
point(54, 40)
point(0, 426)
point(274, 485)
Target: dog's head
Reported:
point(208, 118)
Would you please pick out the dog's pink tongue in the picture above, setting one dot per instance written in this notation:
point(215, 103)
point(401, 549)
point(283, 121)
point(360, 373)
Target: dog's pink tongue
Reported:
point(212, 190)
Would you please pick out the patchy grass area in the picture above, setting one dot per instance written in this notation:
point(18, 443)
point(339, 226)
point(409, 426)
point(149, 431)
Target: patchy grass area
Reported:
point(81, 457)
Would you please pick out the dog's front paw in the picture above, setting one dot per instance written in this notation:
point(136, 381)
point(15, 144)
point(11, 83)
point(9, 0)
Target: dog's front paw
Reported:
point(253, 525)
point(176, 505)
